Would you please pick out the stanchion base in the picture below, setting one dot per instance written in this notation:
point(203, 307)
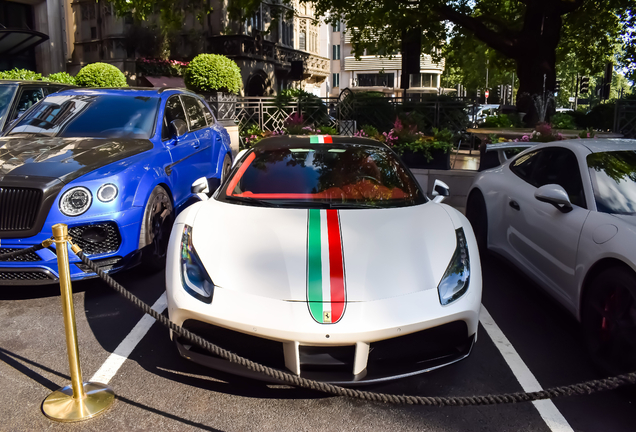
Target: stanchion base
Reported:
point(61, 406)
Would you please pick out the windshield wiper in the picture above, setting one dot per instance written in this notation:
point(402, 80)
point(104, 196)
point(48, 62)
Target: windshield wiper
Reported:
point(350, 205)
point(30, 134)
point(250, 201)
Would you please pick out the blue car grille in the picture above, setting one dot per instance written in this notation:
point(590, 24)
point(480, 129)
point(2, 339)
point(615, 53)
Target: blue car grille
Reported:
point(25, 276)
point(97, 238)
point(18, 208)
point(31, 256)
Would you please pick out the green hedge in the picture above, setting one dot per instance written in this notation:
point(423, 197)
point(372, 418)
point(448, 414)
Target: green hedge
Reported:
point(100, 75)
point(213, 72)
point(61, 77)
point(20, 74)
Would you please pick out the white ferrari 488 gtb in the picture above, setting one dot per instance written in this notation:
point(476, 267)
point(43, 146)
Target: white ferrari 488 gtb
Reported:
point(322, 256)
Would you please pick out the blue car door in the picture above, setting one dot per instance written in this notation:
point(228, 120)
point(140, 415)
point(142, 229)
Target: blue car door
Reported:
point(204, 133)
point(187, 153)
point(214, 135)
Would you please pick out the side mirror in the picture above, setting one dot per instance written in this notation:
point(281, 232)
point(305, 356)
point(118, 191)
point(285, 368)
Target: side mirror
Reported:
point(555, 195)
point(440, 191)
point(200, 188)
point(178, 128)
point(239, 156)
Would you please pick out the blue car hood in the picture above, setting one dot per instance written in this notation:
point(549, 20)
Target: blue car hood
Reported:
point(64, 158)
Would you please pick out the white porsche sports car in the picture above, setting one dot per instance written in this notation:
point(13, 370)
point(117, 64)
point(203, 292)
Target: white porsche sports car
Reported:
point(564, 213)
point(323, 257)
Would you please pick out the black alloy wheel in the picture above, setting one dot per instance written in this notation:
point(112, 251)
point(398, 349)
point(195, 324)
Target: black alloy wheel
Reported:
point(609, 321)
point(478, 218)
point(157, 224)
point(226, 167)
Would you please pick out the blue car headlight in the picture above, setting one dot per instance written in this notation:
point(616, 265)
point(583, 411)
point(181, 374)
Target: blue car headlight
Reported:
point(455, 282)
point(194, 277)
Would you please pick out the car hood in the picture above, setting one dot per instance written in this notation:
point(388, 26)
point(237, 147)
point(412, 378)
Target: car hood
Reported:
point(63, 158)
point(267, 251)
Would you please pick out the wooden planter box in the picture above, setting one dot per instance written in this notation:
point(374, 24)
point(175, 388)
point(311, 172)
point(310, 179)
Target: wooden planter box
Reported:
point(223, 104)
point(440, 161)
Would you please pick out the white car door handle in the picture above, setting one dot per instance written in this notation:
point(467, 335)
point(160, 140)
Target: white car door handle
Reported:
point(514, 205)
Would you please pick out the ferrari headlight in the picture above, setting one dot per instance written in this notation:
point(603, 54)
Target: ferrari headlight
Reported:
point(455, 282)
point(75, 201)
point(194, 278)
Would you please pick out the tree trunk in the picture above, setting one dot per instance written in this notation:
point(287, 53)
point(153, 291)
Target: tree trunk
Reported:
point(536, 60)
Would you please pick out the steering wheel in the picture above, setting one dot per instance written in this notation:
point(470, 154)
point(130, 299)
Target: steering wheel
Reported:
point(368, 177)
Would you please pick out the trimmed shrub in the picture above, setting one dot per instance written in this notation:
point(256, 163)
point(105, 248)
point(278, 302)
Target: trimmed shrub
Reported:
point(20, 74)
point(213, 72)
point(61, 77)
point(563, 121)
point(100, 75)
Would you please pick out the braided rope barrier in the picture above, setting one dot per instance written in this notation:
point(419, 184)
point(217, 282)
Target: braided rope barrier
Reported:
point(25, 251)
point(584, 388)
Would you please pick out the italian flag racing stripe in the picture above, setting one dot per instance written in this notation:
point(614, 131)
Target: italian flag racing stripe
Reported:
point(326, 292)
point(320, 139)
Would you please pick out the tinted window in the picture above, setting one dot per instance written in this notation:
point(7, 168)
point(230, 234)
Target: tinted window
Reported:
point(174, 110)
point(91, 115)
point(195, 113)
point(29, 96)
point(552, 166)
point(6, 95)
point(208, 115)
point(324, 175)
point(523, 165)
point(614, 181)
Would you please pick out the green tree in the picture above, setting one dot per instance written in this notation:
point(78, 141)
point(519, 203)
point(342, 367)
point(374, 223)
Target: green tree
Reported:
point(532, 35)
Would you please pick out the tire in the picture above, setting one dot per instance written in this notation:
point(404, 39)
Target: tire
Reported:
point(155, 230)
point(609, 321)
point(478, 217)
point(226, 168)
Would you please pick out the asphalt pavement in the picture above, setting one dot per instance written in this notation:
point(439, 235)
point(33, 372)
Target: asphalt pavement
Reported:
point(158, 390)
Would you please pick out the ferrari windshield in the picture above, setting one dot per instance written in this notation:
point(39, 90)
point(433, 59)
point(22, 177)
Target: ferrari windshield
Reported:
point(323, 175)
point(6, 96)
point(91, 115)
point(614, 181)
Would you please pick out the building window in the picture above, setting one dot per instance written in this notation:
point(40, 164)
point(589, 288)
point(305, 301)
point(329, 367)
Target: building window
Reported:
point(336, 52)
point(93, 32)
point(336, 80)
point(423, 80)
point(336, 27)
point(302, 41)
point(375, 80)
point(288, 32)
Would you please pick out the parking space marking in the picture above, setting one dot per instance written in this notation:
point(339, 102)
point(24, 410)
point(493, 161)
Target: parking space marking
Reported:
point(548, 411)
point(121, 353)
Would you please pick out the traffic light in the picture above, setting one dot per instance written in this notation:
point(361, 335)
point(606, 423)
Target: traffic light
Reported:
point(557, 86)
point(478, 93)
point(585, 84)
point(607, 81)
point(499, 92)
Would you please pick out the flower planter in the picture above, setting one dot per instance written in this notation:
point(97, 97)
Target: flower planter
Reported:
point(223, 104)
point(440, 161)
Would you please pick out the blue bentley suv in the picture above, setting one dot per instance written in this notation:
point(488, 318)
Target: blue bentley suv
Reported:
point(115, 165)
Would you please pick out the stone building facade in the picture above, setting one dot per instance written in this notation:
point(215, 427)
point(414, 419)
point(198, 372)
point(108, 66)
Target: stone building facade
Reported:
point(375, 73)
point(272, 53)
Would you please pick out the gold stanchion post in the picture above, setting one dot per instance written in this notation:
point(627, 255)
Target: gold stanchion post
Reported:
point(81, 400)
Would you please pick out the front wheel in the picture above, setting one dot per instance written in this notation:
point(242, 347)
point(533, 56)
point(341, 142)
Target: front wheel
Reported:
point(476, 214)
point(155, 229)
point(609, 321)
point(226, 168)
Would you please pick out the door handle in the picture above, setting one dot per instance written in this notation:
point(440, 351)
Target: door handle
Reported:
point(514, 205)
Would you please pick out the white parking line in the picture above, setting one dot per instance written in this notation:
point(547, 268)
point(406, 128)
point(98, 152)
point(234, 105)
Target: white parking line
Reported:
point(548, 411)
point(121, 353)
